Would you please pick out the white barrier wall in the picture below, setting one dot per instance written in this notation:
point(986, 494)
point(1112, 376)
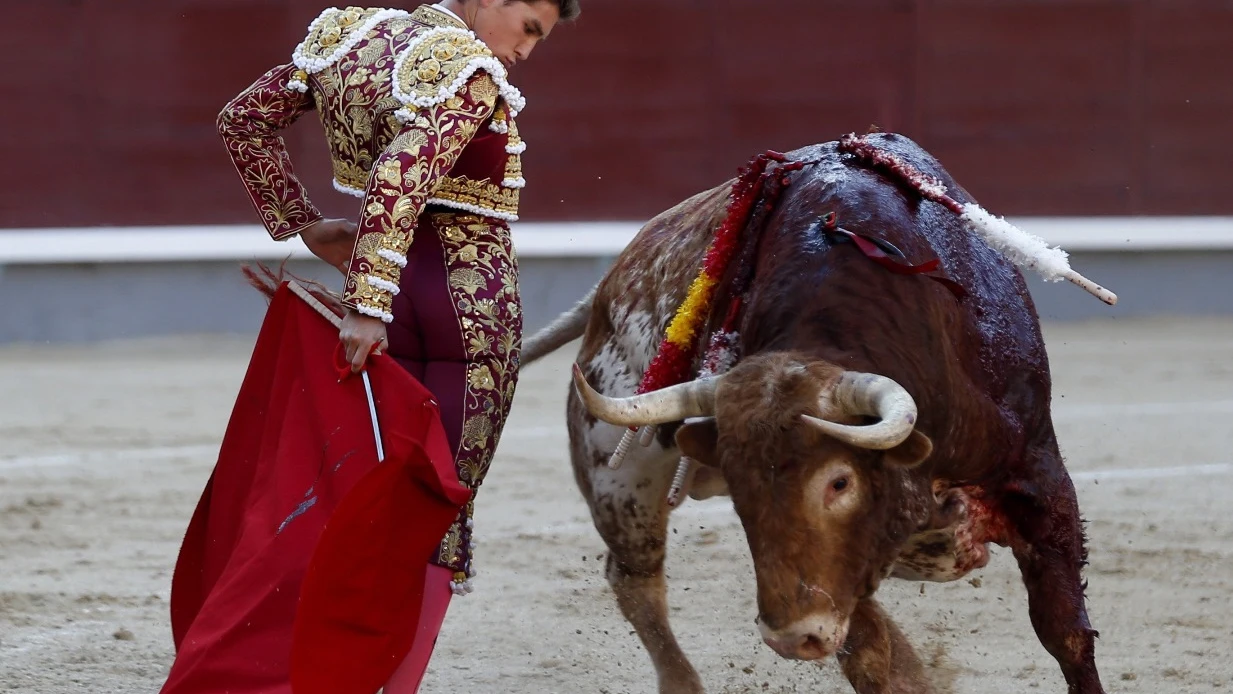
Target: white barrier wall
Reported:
point(102, 283)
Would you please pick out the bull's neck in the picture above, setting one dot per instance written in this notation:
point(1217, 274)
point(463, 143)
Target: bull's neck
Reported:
point(915, 503)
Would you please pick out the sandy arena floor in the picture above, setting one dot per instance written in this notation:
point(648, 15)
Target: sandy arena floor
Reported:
point(105, 450)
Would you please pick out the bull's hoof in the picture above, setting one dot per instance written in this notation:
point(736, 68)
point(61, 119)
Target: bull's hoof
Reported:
point(683, 683)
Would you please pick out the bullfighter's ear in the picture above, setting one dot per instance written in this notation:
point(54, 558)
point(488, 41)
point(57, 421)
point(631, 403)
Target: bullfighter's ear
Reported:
point(912, 452)
point(698, 438)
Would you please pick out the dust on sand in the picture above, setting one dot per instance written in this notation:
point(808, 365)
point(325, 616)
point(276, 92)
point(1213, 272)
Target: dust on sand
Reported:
point(106, 449)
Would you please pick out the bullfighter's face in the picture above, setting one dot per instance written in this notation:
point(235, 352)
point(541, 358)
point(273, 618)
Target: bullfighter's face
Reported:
point(513, 28)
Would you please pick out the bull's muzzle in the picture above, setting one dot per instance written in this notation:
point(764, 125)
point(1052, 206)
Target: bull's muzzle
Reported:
point(812, 638)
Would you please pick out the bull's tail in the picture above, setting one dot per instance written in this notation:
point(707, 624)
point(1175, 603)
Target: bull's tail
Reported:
point(565, 328)
point(267, 281)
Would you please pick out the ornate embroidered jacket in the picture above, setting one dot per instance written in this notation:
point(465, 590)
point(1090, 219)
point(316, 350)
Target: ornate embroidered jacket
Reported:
point(417, 111)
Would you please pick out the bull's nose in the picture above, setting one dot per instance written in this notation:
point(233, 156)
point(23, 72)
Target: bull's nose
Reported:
point(812, 638)
point(807, 647)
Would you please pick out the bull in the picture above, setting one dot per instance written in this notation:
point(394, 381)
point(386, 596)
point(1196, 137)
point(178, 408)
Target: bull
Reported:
point(876, 425)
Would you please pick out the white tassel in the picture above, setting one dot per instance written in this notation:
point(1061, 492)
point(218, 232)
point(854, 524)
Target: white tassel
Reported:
point(383, 284)
point(682, 481)
point(622, 450)
point(385, 316)
point(646, 435)
point(1029, 251)
point(348, 190)
point(395, 258)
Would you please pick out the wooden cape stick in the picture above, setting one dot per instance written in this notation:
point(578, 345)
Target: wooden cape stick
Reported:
point(299, 290)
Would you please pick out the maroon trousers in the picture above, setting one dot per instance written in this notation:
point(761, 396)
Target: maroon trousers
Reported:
point(458, 330)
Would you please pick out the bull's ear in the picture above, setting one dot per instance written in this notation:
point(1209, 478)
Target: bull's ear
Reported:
point(912, 452)
point(699, 439)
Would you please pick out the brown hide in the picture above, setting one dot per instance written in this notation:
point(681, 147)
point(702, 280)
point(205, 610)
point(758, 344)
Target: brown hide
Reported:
point(976, 368)
point(826, 521)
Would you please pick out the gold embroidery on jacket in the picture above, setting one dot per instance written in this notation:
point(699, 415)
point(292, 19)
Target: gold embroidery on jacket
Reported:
point(438, 64)
point(250, 126)
point(483, 194)
point(427, 14)
point(405, 176)
point(354, 94)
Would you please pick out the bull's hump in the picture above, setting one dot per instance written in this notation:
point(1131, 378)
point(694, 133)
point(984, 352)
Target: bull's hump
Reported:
point(652, 275)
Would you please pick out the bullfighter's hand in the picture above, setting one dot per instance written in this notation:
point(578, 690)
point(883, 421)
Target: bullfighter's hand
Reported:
point(331, 240)
point(361, 335)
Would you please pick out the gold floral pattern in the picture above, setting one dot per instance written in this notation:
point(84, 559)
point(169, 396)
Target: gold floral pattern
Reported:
point(481, 377)
point(483, 278)
point(249, 126)
point(438, 62)
point(400, 159)
point(356, 106)
point(347, 72)
point(468, 280)
point(488, 306)
point(462, 191)
point(405, 175)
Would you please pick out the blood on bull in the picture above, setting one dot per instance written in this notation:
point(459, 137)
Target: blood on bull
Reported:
point(859, 364)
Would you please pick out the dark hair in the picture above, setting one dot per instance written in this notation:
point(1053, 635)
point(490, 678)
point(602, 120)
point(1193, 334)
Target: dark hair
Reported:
point(569, 8)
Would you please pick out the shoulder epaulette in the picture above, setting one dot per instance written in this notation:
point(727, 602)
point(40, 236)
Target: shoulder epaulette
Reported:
point(437, 64)
point(331, 35)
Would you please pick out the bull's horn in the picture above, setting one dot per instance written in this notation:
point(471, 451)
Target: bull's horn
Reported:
point(869, 394)
point(693, 399)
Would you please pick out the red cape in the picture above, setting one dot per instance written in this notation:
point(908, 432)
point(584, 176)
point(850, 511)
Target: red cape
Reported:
point(302, 569)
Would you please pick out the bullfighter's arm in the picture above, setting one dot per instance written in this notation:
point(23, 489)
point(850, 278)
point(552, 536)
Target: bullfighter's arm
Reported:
point(250, 126)
point(403, 179)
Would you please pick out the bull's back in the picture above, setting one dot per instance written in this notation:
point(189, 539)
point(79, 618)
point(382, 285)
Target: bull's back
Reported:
point(651, 277)
point(994, 328)
point(997, 304)
point(993, 333)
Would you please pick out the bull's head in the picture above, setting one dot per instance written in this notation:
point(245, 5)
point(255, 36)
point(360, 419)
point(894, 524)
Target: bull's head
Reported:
point(824, 494)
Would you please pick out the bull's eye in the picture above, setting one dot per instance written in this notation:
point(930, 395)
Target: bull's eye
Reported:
point(838, 490)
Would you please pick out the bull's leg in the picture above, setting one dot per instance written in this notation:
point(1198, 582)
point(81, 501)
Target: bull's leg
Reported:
point(877, 658)
point(641, 593)
point(1048, 542)
point(630, 511)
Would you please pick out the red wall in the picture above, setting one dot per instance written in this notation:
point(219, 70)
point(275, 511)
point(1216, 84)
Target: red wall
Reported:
point(1036, 106)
